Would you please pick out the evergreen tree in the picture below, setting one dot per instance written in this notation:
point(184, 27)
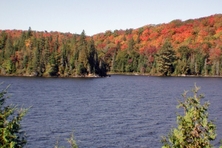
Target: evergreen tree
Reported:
point(121, 60)
point(11, 135)
point(46, 52)
point(114, 63)
point(22, 41)
point(3, 38)
point(194, 130)
point(142, 64)
point(91, 56)
point(131, 44)
point(56, 45)
point(9, 49)
point(183, 61)
point(64, 58)
point(29, 33)
point(102, 68)
point(166, 58)
point(54, 68)
point(199, 63)
point(36, 61)
point(25, 61)
point(74, 53)
point(83, 54)
point(81, 70)
point(8, 66)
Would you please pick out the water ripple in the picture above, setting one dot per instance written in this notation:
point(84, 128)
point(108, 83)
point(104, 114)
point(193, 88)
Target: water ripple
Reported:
point(120, 111)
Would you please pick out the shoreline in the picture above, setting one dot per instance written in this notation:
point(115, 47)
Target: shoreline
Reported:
point(146, 74)
point(109, 74)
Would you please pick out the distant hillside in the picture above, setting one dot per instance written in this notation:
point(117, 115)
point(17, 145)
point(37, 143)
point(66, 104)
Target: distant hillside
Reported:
point(193, 33)
point(201, 37)
point(191, 47)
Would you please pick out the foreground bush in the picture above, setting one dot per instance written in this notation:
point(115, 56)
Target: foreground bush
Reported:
point(194, 130)
point(11, 135)
point(71, 141)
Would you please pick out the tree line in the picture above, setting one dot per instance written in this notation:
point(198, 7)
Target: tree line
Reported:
point(191, 47)
point(30, 53)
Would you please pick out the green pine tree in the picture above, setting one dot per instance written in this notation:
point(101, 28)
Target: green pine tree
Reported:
point(194, 129)
point(91, 56)
point(11, 135)
point(166, 59)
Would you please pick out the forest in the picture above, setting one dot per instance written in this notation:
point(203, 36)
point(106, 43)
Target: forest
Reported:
point(178, 48)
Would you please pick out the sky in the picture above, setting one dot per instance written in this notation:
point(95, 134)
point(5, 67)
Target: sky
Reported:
point(96, 16)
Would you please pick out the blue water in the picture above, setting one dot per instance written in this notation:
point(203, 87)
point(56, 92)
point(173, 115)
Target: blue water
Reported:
point(118, 111)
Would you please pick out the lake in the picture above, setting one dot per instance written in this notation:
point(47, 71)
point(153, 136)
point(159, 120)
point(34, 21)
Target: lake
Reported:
point(118, 111)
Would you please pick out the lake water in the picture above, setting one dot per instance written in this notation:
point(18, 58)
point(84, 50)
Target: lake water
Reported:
point(118, 111)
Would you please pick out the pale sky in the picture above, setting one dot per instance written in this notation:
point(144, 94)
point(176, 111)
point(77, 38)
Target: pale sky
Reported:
point(96, 16)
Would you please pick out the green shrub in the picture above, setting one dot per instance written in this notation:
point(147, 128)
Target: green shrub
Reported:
point(71, 141)
point(194, 130)
point(11, 135)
